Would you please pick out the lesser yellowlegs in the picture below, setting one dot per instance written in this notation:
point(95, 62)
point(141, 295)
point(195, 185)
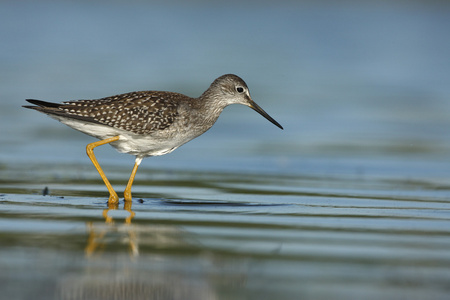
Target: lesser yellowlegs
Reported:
point(148, 123)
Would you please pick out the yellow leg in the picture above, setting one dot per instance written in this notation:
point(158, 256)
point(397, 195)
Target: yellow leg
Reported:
point(113, 198)
point(127, 192)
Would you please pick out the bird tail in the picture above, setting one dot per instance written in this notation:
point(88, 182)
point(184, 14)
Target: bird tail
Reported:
point(41, 103)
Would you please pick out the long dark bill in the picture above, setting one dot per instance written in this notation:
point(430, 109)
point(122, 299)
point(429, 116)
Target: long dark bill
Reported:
point(261, 111)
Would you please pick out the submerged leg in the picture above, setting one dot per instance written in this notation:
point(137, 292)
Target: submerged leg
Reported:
point(127, 193)
point(113, 198)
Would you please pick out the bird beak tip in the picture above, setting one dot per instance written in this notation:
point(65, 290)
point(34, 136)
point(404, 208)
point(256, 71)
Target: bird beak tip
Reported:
point(259, 110)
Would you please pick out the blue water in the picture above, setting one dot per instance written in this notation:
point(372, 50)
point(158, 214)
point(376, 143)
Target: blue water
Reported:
point(350, 200)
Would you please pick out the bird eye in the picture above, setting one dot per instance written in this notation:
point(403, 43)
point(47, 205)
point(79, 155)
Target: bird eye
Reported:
point(240, 89)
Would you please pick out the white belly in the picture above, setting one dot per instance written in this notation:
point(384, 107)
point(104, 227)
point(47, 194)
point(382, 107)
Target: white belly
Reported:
point(135, 144)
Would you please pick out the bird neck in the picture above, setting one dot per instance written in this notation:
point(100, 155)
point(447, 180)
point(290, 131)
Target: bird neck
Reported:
point(210, 106)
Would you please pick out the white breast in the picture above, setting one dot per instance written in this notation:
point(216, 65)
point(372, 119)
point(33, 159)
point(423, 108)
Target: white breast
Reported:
point(135, 144)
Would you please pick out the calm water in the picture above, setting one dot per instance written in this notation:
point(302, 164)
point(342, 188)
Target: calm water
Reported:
point(351, 200)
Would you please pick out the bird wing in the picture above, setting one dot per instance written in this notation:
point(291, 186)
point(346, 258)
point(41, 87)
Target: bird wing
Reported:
point(137, 112)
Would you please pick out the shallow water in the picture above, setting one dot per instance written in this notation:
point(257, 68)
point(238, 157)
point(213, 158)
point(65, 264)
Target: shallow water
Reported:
point(350, 201)
point(211, 235)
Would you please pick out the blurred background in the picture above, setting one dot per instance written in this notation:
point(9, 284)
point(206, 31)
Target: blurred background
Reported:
point(349, 79)
point(349, 201)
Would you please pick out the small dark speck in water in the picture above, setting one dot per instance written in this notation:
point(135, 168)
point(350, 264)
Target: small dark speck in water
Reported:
point(45, 191)
point(141, 200)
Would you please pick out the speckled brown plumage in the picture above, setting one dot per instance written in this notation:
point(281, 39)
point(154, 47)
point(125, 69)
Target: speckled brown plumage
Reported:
point(137, 112)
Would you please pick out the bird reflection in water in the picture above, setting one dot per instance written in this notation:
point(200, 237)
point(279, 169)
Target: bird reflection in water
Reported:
point(98, 232)
point(167, 267)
